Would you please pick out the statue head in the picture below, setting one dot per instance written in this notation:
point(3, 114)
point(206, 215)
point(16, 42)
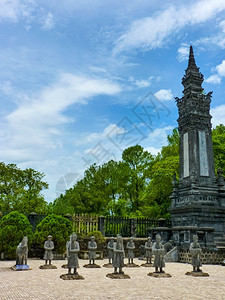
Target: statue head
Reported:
point(25, 240)
point(73, 237)
point(112, 238)
point(49, 237)
point(195, 239)
point(119, 238)
point(158, 238)
point(131, 238)
point(149, 239)
point(92, 238)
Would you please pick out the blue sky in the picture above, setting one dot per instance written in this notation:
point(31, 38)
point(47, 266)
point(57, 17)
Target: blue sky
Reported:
point(82, 80)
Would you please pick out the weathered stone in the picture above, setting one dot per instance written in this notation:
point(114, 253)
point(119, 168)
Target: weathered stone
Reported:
point(147, 265)
point(91, 266)
point(197, 274)
point(71, 277)
point(199, 198)
point(159, 275)
point(131, 265)
point(47, 267)
point(118, 276)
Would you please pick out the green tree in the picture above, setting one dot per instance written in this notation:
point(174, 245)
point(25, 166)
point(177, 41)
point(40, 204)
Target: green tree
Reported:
point(59, 227)
point(21, 189)
point(218, 139)
point(13, 227)
point(136, 162)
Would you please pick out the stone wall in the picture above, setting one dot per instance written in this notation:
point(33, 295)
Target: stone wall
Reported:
point(213, 257)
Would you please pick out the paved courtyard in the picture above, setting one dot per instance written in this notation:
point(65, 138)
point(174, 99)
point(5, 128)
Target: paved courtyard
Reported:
point(47, 284)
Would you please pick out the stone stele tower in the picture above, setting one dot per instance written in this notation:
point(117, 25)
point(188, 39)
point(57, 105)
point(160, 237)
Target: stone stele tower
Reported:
point(199, 198)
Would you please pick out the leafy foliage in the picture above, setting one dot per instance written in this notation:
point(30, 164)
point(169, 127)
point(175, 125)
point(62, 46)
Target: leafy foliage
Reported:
point(218, 138)
point(59, 227)
point(13, 227)
point(99, 238)
point(21, 189)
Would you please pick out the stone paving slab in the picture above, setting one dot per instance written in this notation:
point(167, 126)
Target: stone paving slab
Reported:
point(47, 284)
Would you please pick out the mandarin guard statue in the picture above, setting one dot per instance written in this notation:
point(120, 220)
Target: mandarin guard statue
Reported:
point(195, 251)
point(73, 249)
point(118, 258)
point(159, 252)
point(48, 246)
point(148, 250)
point(92, 246)
point(110, 247)
point(130, 250)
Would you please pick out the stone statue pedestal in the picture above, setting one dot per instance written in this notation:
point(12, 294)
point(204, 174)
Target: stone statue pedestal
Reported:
point(71, 277)
point(197, 274)
point(147, 265)
point(91, 266)
point(159, 275)
point(108, 265)
point(47, 267)
point(21, 268)
point(117, 276)
point(131, 265)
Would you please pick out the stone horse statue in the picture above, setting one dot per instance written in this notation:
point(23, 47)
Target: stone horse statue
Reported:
point(22, 252)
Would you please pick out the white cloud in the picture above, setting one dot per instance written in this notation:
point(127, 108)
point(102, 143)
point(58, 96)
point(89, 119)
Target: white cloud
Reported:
point(13, 10)
point(164, 95)
point(220, 72)
point(157, 138)
point(6, 87)
point(111, 130)
point(153, 32)
point(218, 115)
point(153, 150)
point(48, 22)
point(142, 83)
point(183, 52)
point(34, 124)
point(221, 69)
point(214, 79)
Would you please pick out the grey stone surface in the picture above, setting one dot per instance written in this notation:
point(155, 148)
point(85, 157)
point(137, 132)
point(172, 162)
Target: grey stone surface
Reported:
point(199, 197)
point(148, 250)
point(92, 247)
point(130, 250)
point(118, 255)
point(73, 248)
point(48, 246)
point(195, 251)
point(159, 252)
point(22, 252)
point(172, 255)
point(110, 247)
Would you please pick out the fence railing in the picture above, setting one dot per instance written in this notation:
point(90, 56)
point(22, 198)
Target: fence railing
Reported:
point(109, 225)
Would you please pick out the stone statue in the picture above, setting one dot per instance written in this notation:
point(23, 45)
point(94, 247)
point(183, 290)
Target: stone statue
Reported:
point(148, 250)
point(48, 246)
point(92, 246)
point(110, 247)
point(22, 252)
point(130, 250)
point(159, 252)
point(195, 251)
point(73, 248)
point(118, 255)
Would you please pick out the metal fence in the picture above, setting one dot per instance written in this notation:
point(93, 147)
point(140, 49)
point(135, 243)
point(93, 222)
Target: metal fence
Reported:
point(108, 226)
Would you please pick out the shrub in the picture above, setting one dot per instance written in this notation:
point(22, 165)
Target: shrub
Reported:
point(59, 227)
point(13, 227)
point(99, 238)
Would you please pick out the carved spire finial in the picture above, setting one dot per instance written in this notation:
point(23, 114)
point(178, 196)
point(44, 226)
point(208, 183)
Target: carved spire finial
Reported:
point(191, 61)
